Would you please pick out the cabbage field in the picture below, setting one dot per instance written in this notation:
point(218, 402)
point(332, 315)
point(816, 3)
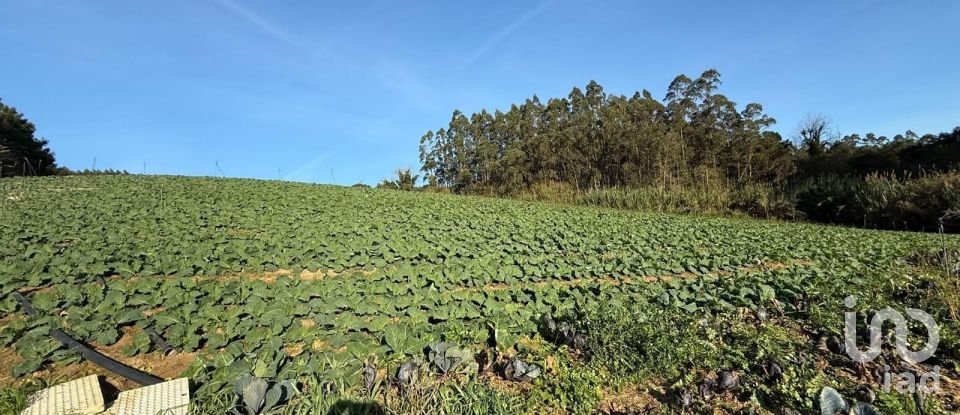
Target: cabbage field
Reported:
point(340, 290)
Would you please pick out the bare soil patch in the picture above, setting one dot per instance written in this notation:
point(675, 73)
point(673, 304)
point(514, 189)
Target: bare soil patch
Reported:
point(155, 363)
point(632, 400)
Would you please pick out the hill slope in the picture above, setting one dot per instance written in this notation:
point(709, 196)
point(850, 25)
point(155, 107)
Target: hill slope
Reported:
point(323, 278)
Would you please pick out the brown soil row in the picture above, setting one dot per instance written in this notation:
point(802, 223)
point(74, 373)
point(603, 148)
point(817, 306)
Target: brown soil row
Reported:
point(307, 275)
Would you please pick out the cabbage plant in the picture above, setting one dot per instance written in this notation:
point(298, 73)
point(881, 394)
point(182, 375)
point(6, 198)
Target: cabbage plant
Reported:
point(259, 396)
point(833, 403)
point(519, 371)
point(446, 358)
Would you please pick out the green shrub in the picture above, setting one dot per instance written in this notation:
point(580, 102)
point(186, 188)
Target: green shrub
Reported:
point(646, 343)
point(573, 391)
point(649, 344)
point(883, 201)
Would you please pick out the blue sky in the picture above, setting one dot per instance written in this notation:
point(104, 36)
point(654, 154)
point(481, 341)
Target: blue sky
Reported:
point(315, 90)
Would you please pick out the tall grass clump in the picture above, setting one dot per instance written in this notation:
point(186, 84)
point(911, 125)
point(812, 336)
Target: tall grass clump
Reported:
point(14, 398)
point(765, 201)
point(885, 201)
point(921, 202)
point(661, 199)
point(551, 191)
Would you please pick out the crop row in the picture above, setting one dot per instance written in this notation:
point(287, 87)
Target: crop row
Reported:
point(231, 267)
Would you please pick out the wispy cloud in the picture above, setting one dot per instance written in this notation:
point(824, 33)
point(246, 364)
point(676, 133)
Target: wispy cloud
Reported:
point(381, 70)
point(311, 171)
point(255, 19)
point(503, 33)
point(309, 50)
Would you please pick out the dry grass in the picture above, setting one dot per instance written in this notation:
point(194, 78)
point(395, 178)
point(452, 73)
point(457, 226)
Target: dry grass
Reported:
point(631, 400)
point(944, 264)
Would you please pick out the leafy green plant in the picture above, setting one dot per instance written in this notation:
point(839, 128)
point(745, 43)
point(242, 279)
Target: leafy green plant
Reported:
point(562, 332)
point(259, 396)
point(571, 391)
point(399, 340)
point(832, 403)
point(519, 371)
point(448, 358)
point(140, 344)
point(408, 374)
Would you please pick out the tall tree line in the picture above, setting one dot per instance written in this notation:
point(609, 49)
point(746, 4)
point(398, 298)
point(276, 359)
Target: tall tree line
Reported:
point(591, 139)
point(852, 155)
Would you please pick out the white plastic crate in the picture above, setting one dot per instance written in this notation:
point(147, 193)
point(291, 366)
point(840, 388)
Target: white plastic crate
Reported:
point(82, 397)
point(168, 398)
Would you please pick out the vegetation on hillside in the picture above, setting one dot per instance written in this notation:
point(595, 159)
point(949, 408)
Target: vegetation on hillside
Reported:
point(373, 301)
point(405, 180)
point(693, 142)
